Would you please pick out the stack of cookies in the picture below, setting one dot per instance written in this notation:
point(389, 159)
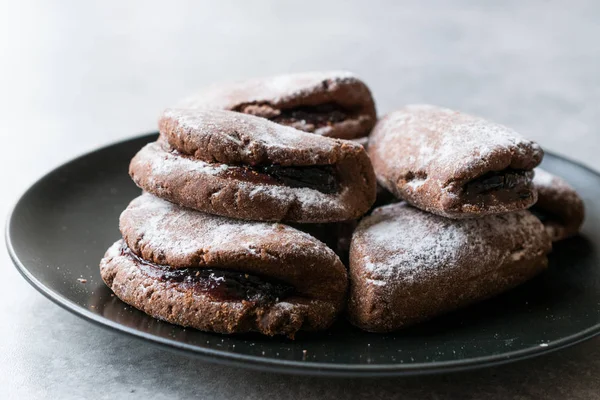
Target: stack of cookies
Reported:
point(463, 233)
point(254, 194)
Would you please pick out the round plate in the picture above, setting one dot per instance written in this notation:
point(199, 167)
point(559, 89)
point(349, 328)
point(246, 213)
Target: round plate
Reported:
point(61, 227)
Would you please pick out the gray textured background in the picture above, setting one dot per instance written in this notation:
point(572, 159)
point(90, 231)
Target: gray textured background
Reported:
point(76, 75)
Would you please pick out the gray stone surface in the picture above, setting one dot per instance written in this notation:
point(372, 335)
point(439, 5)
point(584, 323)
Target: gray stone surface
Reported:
point(76, 75)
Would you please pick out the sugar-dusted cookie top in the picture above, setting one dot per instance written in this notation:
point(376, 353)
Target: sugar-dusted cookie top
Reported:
point(330, 103)
point(399, 242)
point(407, 265)
point(234, 138)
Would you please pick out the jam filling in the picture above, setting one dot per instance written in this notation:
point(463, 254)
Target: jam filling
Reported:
point(508, 184)
point(220, 285)
point(318, 116)
point(322, 178)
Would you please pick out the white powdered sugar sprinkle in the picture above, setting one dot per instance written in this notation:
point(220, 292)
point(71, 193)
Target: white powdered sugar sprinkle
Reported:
point(309, 199)
point(249, 134)
point(165, 163)
point(399, 243)
point(416, 245)
point(162, 225)
point(543, 178)
point(273, 89)
point(443, 139)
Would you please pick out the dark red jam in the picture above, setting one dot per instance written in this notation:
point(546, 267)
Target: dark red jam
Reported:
point(508, 185)
point(221, 285)
point(322, 178)
point(318, 116)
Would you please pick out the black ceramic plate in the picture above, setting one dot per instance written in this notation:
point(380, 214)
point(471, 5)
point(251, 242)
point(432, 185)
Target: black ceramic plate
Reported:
point(62, 225)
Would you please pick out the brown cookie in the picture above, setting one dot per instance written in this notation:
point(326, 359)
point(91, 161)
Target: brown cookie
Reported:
point(335, 104)
point(241, 166)
point(559, 207)
point(407, 265)
point(453, 164)
point(222, 275)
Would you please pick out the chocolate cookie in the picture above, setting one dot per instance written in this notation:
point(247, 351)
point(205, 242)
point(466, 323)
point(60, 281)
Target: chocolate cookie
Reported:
point(335, 104)
point(559, 207)
point(242, 166)
point(407, 265)
point(453, 164)
point(222, 275)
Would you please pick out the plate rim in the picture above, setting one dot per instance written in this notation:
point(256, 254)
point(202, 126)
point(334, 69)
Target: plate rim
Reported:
point(273, 364)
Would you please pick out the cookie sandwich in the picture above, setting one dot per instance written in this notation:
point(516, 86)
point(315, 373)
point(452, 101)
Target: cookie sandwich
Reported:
point(246, 167)
point(222, 275)
point(453, 164)
point(332, 103)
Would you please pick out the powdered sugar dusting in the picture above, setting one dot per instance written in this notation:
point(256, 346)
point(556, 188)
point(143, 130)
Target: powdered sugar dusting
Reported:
point(162, 225)
point(462, 137)
point(249, 134)
point(399, 243)
point(410, 247)
point(416, 183)
point(284, 305)
point(309, 199)
point(167, 163)
point(543, 178)
point(273, 89)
